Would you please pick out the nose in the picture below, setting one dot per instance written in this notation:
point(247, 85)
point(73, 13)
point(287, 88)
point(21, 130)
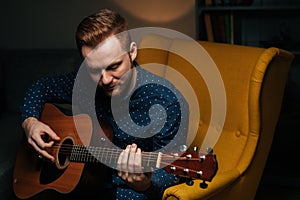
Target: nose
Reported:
point(105, 78)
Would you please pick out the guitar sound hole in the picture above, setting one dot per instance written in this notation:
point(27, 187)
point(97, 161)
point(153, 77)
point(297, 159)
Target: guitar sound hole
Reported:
point(64, 153)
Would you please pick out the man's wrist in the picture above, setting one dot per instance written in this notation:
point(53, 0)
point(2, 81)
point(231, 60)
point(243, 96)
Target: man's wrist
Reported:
point(27, 121)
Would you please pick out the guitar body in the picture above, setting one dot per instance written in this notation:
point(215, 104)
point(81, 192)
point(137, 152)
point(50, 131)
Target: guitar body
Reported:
point(35, 177)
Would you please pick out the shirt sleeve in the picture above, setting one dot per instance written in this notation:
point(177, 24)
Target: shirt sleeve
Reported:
point(55, 89)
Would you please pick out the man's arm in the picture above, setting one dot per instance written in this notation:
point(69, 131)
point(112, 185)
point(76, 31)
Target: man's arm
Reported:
point(46, 89)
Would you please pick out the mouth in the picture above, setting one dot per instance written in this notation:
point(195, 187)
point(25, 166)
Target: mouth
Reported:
point(109, 89)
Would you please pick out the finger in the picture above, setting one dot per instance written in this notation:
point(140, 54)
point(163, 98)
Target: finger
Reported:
point(131, 159)
point(137, 177)
point(121, 172)
point(37, 138)
point(124, 162)
point(43, 139)
point(40, 151)
point(51, 133)
point(119, 162)
point(40, 145)
point(47, 155)
point(119, 166)
point(138, 161)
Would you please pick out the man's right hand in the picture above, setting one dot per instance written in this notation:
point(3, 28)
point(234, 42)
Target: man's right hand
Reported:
point(35, 131)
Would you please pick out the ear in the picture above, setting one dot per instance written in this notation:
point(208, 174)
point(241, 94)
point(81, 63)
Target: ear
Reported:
point(133, 51)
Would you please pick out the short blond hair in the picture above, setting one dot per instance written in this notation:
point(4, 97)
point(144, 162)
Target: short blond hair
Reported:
point(94, 29)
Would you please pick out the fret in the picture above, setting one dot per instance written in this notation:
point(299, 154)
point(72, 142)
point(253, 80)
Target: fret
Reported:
point(111, 155)
point(158, 161)
point(96, 154)
point(76, 153)
point(80, 154)
point(91, 154)
point(72, 153)
point(102, 155)
point(88, 155)
point(149, 159)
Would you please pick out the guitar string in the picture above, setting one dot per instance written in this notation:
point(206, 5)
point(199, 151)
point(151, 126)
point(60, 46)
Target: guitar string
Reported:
point(146, 155)
point(86, 151)
point(82, 151)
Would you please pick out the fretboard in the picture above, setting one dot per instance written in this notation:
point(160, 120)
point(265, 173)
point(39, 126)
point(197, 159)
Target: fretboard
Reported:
point(109, 156)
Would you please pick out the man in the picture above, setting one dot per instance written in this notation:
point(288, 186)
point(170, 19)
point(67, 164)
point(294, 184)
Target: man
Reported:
point(120, 84)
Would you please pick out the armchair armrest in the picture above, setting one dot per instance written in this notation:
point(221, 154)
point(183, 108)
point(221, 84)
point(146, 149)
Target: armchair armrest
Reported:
point(183, 191)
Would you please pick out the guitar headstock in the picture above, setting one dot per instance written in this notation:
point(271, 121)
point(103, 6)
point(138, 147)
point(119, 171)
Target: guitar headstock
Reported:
point(194, 166)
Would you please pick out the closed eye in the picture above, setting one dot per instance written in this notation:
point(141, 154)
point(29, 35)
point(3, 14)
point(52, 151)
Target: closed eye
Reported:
point(114, 66)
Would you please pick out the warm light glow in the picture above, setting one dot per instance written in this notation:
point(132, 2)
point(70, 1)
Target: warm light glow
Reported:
point(156, 10)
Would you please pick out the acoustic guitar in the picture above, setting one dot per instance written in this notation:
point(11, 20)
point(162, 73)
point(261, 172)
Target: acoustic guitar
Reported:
point(34, 174)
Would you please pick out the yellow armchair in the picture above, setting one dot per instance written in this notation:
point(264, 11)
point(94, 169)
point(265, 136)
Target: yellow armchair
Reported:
point(254, 81)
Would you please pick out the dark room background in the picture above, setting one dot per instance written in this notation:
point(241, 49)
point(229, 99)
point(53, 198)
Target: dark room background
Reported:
point(51, 24)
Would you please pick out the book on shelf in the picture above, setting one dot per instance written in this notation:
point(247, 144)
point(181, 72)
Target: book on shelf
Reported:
point(208, 22)
point(218, 26)
point(208, 27)
point(219, 29)
point(228, 28)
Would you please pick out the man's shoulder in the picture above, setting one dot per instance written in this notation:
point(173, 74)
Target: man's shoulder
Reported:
point(147, 77)
point(149, 82)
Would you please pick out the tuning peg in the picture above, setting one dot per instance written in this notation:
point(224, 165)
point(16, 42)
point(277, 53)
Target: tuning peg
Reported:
point(189, 182)
point(209, 150)
point(177, 179)
point(185, 171)
point(188, 156)
point(183, 148)
point(199, 174)
point(202, 158)
point(173, 168)
point(175, 155)
point(195, 149)
point(203, 185)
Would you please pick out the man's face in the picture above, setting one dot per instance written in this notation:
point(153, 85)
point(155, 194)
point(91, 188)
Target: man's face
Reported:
point(108, 65)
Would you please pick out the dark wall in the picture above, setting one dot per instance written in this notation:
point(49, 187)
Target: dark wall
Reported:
point(52, 23)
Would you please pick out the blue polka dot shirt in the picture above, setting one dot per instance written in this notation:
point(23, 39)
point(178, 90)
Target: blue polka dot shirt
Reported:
point(155, 114)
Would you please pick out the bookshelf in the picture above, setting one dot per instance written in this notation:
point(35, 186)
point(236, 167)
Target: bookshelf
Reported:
point(252, 25)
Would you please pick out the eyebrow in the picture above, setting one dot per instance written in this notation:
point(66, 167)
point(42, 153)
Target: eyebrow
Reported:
point(97, 69)
point(117, 62)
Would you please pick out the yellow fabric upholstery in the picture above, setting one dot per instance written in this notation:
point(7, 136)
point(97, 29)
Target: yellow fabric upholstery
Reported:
point(254, 80)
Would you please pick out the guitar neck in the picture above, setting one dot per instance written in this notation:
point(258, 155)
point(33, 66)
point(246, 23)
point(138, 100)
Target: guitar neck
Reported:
point(109, 156)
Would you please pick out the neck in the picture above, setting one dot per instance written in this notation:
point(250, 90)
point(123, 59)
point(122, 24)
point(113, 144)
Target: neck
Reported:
point(109, 156)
